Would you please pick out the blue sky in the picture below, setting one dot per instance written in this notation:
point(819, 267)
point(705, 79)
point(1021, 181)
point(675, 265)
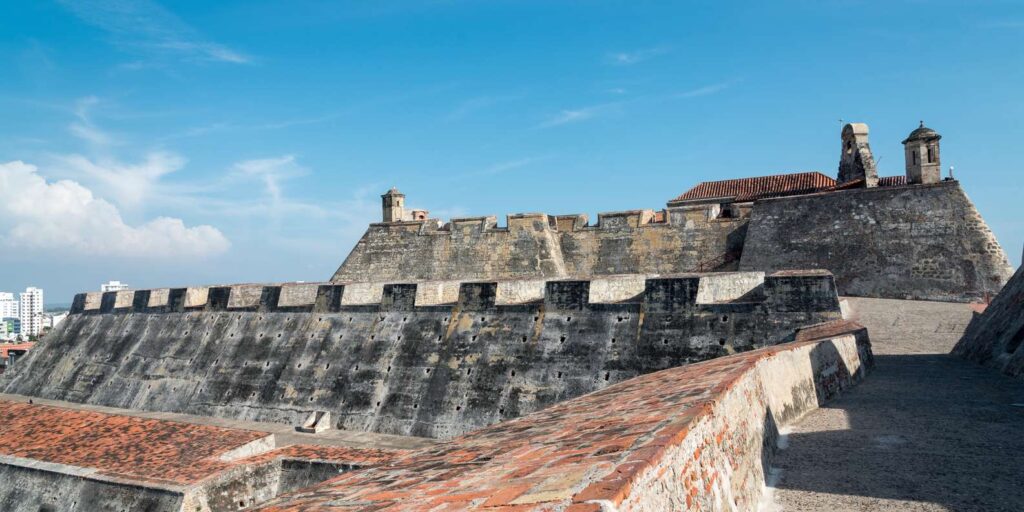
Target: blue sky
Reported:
point(184, 143)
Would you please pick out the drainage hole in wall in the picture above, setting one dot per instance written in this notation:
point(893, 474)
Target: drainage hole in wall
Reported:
point(399, 338)
point(606, 375)
point(389, 368)
point(568, 319)
point(524, 339)
point(562, 339)
point(721, 341)
point(664, 341)
point(474, 337)
point(559, 375)
point(513, 373)
point(373, 336)
point(613, 341)
point(725, 318)
point(328, 367)
point(469, 371)
point(378, 404)
point(428, 371)
point(458, 407)
point(439, 338)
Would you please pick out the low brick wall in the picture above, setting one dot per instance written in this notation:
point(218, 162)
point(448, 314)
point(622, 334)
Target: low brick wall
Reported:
point(697, 437)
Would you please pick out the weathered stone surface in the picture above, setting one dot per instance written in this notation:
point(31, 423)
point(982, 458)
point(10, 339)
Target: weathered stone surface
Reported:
point(693, 438)
point(995, 337)
point(537, 246)
point(910, 242)
point(396, 367)
point(919, 242)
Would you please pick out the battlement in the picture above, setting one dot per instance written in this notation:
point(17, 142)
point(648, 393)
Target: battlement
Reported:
point(782, 291)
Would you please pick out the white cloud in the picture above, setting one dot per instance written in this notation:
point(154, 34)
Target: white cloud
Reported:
point(65, 216)
point(130, 185)
point(635, 57)
point(146, 26)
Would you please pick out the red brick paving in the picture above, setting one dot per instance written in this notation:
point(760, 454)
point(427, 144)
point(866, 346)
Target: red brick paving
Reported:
point(589, 448)
point(145, 450)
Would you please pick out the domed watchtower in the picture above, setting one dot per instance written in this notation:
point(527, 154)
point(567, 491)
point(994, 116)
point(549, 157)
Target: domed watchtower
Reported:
point(922, 154)
point(393, 205)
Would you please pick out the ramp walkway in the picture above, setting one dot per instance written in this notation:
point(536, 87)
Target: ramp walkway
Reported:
point(925, 431)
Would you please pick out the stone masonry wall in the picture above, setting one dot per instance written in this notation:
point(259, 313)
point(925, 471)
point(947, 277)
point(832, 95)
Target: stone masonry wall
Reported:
point(919, 242)
point(692, 438)
point(996, 337)
point(538, 246)
point(913, 242)
point(397, 367)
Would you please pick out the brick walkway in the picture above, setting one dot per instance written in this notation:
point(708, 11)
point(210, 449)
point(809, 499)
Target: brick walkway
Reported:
point(924, 432)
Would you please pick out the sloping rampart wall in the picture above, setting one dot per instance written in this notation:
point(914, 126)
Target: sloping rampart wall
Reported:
point(902, 242)
point(277, 353)
point(923, 242)
point(996, 337)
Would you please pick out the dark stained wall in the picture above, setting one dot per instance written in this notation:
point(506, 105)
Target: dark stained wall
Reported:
point(395, 367)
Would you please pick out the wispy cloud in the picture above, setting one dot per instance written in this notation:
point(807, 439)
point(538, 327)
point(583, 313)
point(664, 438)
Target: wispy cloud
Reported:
point(635, 57)
point(579, 114)
point(705, 90)
point(144, 26)
point(272, 172)
point(510, 165)
point(473, 105)
point(84, 128)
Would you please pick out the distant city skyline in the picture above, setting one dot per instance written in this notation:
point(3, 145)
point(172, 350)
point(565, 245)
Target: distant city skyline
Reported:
point(187, 143)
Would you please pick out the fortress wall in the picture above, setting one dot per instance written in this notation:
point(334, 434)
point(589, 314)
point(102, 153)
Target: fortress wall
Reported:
point(914, 242)
point(536, 246)
point(30, 486)
point(395, 367)
point(697, 437)
point(995, 337)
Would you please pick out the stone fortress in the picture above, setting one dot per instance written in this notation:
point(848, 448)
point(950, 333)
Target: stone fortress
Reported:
point(649, 361)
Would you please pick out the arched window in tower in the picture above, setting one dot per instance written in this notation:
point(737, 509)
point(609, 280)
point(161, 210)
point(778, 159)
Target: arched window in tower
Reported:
point(931, 155)
point(913, 156)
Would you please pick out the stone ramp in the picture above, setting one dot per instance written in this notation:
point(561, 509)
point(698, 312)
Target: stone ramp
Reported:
point(925, 432)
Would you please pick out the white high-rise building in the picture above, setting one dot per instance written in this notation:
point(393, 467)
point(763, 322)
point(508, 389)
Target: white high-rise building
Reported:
point(113, 286)
point(8, 305)
point(31, 312)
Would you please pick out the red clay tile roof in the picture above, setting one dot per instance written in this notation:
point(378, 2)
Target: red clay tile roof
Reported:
point(146, 450)
point(124, 446)
point(749, 189)
point(6, 348)
point(580, 450)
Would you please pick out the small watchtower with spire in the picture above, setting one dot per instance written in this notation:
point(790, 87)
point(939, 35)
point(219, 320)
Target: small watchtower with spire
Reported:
point(922, 155)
